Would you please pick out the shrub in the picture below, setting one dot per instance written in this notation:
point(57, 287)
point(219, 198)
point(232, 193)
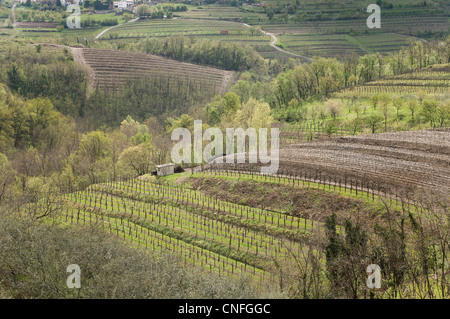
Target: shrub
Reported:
point(34, 258)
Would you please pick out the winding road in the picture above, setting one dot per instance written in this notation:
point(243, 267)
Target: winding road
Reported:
point(272, 44)
point(115, 26)
point(274, 40)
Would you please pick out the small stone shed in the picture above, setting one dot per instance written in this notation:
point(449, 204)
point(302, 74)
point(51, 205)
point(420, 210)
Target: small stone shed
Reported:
point(165, 169)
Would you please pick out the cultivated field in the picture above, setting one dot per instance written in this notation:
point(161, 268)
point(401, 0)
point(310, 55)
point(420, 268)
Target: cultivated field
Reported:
point(171, 27)
point(400, 165)
point(434, 80)
point(216, 235)
point(333, 38)
point(113, 69)
point(257, 226)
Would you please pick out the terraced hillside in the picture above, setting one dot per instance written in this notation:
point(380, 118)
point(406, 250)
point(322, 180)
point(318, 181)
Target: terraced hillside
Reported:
point(433, 79)
point(173, 27)
point(401, 164)
point(212, 233)
point(113, 69)
point(334, 38)
point(241, 223)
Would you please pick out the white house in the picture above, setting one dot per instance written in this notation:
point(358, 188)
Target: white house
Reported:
point(165, 169)
point(66, 3)
point(123, 4)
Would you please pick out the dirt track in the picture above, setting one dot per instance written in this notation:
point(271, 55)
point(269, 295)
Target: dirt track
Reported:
point(78, 57)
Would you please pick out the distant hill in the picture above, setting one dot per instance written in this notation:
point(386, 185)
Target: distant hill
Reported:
point(112, 69)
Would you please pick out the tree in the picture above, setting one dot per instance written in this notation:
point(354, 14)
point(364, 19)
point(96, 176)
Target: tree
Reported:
point(332, 250)
point(357, 109)
point(242, 88)
point(117, 143)
point(137, 159)
point(223, 109)
point(398, 104)
point(374, 100)
point(330, 128)
point(413, 106)
point(44, 123)
point(443, 113)
point(421, 94)
point(253, 114)
point(16, 77)
point(135, 131)
point(346, 258)
point(6, 178)
point(355, 125)
point(384, 102)
point(368, 68)
point(143, 10)
point(6, 124)
point(93, 147)
point(429, 111)
point(184, 120)
point(328, 84)
point(334, 107)
point(253, 30)
point(373, 121)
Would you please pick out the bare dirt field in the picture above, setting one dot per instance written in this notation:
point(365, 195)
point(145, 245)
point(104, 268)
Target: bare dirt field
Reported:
point(401, 163)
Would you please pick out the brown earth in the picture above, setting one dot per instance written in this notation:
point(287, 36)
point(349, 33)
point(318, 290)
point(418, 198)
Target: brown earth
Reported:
point(301, 202)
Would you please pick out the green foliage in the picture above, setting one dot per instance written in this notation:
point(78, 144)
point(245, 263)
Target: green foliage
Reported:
point(346, 258)
point(94, 146)
point(49, 74)
point(184, 121)
point(242, 88)
point(373, 121)
point(429, 111)
point(137, 159)
point(253, 114)
point(30, 252)
point(220, 107)
point(224, 55)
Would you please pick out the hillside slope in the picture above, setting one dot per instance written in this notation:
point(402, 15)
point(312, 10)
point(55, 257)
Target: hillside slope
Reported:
point(112, 69)
point(400, 164)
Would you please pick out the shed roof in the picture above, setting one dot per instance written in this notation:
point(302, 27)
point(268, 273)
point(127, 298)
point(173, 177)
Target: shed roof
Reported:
point(165, 165)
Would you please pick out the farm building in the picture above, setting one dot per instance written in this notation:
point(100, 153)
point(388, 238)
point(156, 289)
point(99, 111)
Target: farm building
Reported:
point(123, 4)
point(165, 169)
point(223, 31)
